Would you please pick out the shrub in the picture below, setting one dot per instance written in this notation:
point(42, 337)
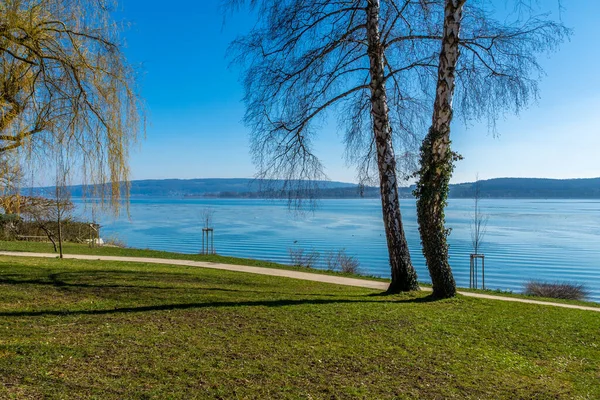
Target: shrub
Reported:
point(342, 262)
point(300, 258)
point(557, 290)
point(9, 224)
point(72, 231)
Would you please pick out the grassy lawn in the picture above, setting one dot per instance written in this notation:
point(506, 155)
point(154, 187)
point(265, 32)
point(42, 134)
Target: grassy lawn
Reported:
point(91, 329)
point(75, 248)
point(537, 298)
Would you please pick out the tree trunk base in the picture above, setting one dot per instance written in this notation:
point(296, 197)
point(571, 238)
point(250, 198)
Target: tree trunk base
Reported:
point(401, 287)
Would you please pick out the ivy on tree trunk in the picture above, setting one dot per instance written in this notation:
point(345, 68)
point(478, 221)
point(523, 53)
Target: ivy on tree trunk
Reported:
point(437, 161)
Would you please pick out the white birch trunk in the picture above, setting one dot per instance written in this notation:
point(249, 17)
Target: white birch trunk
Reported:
point(436, 160)
point(404, 276)
point(442, 106)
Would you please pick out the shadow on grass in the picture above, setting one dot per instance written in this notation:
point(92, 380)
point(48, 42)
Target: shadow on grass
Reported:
point(196, 285)
point(188, 306)
point(426, 299)
point(53, 280)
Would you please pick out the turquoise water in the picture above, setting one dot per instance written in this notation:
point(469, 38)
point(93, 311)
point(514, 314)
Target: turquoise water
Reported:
point(554, 240)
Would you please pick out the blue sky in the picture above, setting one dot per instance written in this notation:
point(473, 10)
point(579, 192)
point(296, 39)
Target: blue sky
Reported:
point(194, 103)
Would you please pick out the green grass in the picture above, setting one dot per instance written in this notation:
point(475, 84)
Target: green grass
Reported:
point(76, 248)
point(529, 297)
point(108, 330)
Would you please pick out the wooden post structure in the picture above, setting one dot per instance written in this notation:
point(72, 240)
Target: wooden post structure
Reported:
point(473, 273)
point(208, 245)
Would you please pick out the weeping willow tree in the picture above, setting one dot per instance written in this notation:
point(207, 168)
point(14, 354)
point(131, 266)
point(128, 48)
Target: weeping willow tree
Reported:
point(66, 88)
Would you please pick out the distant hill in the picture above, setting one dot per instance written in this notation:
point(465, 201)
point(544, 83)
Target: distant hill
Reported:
point(531, 188)
point(206, 187)
point(249, 188)
point(349, 192)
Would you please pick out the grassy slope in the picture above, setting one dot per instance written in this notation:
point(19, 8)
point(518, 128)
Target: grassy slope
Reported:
point(91, 329)
point(74, 248)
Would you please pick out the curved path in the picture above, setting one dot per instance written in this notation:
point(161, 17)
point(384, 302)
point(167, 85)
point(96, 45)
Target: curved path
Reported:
point(338, 280)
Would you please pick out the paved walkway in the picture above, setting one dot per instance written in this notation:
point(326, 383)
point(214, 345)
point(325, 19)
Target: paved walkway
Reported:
point(338, 280)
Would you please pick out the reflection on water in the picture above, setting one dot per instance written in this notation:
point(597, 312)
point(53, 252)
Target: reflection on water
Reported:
point(526, 239)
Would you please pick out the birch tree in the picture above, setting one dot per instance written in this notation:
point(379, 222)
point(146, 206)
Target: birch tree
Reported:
point(65, 85)
point(375, 64)
point(436, 159)
point(306, 59)
point(498, 72)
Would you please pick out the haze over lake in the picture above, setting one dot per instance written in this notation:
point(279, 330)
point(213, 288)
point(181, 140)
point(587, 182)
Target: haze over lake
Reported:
point(552, 240)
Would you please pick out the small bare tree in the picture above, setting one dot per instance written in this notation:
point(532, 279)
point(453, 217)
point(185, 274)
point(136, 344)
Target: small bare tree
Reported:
point(342, 262)
point(302, 258)
point(479, 220)
point(62, 213)
point(206, 216)
point(208, 243)
point(49, 214)
point(478, 229)
point(62, 207)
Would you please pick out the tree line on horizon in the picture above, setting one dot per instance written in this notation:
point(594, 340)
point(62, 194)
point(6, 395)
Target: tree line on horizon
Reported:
point(496, 188)
point(393, 72)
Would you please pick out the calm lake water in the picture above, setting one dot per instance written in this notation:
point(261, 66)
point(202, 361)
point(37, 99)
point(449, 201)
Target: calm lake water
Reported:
point(552, 240)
